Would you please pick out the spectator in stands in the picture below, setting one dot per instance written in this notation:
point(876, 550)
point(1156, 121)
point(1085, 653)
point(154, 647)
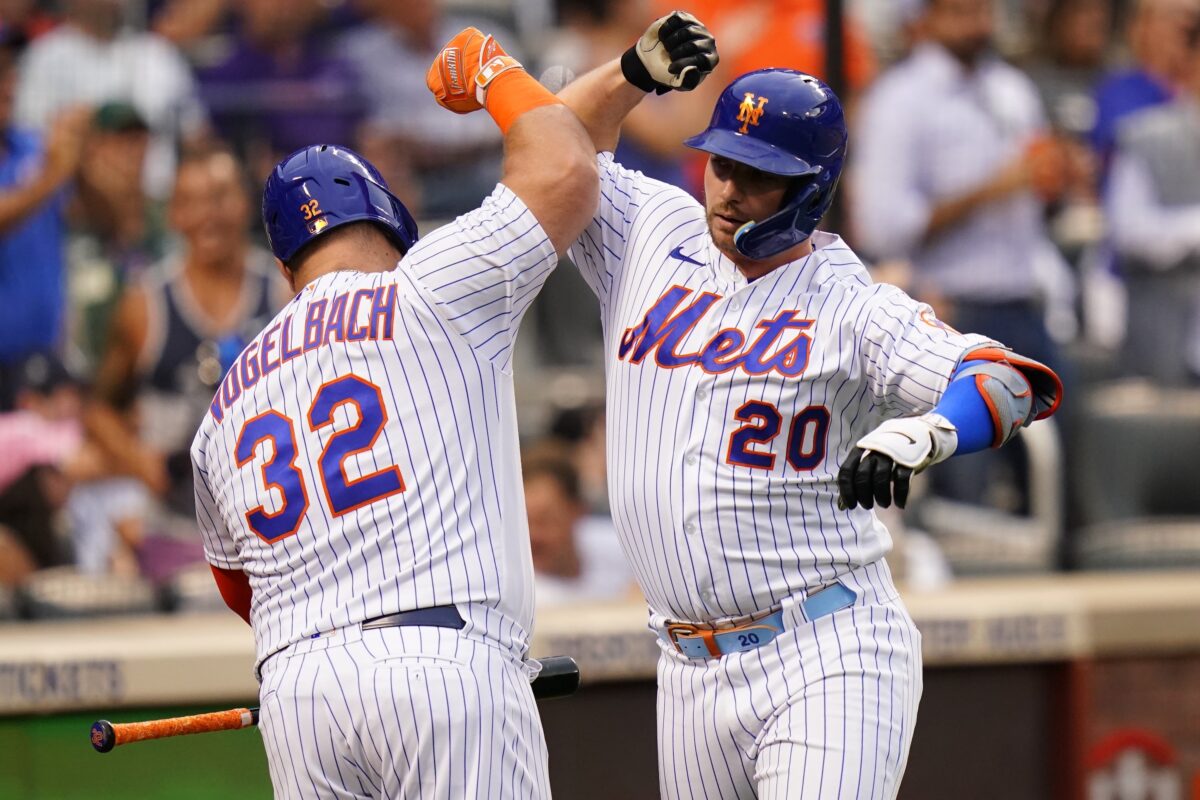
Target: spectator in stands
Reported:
point(1072, 56)
point(953, 169)
point(444, 165)
point(281, 86)
point(178, 330)
point(44, 456)
point(1071, 60)
point(576, 555)
point(579, 429)
point(33, 173)
point(1154, 217)
point(116, 231)
point(92, 58)
point(1157, 49)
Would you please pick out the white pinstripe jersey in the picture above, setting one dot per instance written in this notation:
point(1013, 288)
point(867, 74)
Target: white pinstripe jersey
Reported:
point(732, 404)
point(361, 458)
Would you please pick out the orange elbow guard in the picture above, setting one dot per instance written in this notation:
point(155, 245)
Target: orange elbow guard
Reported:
point(1046, 386)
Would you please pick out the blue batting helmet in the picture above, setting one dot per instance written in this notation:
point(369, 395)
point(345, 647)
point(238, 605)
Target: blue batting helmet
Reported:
point(786, 123)
point(318, 188)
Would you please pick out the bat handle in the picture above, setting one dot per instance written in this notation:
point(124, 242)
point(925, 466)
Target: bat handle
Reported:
point(105, 735)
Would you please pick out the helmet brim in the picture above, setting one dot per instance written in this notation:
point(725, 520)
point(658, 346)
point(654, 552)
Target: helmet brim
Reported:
point(750, 151)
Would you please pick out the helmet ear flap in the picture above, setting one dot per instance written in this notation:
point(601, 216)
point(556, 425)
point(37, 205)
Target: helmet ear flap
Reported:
point(794, 222)
point(804, 194)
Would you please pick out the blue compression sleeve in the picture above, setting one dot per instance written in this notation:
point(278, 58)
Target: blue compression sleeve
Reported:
point(964, 406)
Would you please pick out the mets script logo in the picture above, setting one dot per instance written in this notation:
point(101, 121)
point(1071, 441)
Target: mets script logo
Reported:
point(781, 345)
point(748, 113)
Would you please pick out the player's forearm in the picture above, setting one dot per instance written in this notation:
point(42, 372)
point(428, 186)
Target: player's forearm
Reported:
point(602, 99)
point(549, 164)
point(965, 408)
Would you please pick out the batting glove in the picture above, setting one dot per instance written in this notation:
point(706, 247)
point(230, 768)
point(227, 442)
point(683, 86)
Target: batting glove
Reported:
point(881, 466)
point(461, 72)
point(676, 52)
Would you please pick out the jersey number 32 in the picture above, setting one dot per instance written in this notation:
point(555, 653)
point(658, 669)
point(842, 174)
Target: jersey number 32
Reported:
point(279, 470)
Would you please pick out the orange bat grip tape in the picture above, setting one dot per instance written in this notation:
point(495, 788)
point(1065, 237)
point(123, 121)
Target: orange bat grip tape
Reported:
point(232, 719)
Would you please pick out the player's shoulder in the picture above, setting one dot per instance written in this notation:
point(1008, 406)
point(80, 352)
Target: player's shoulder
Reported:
point(204, 434)
point(500, 220)
point(837, 266)
point(861, 292)
point(637, 185)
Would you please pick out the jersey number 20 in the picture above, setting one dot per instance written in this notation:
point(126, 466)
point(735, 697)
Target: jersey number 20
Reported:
point(279, 470)
point(805, 444)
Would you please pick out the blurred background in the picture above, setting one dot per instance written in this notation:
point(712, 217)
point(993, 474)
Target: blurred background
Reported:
point(1048, 197)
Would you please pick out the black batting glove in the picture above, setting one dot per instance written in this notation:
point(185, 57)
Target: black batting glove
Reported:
point(883, 462)
point(868, 477)
point(675, 53)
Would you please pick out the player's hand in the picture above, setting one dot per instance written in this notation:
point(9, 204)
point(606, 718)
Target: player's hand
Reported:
point(463, 69)
point(882, 464)
point(676, 52)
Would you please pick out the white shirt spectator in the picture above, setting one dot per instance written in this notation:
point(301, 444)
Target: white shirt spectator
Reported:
point(929, 131)
point(68, 66)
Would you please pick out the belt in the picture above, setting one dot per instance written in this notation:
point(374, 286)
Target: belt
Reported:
point(433, 617)
point(697, 642)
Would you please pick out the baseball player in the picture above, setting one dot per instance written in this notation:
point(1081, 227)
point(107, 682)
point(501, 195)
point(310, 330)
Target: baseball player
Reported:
point(748, 355)
point(358, 475)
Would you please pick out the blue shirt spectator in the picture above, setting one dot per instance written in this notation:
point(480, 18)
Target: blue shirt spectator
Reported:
point(1120, 95)
point(31, 259)
point(1157, 34)
point(32, 174)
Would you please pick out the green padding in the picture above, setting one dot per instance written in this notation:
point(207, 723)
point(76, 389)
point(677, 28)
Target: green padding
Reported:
point(50, 758)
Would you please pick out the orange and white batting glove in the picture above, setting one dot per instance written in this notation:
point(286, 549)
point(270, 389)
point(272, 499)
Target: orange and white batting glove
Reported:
point(464, 69)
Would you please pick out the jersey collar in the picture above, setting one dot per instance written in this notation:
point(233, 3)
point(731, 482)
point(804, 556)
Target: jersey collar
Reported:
point(731, 278)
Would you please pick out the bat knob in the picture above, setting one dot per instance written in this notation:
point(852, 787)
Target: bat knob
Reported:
point(559, 677)
point(103, 736)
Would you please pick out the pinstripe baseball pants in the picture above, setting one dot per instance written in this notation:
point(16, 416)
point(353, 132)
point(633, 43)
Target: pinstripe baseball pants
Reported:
point(824, 712)
point(415, 712)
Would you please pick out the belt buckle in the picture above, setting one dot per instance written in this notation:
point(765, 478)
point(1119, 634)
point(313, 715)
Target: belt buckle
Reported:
point(677, 629)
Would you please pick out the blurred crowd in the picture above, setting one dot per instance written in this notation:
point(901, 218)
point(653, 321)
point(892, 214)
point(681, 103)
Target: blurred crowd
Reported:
point(1031, 168)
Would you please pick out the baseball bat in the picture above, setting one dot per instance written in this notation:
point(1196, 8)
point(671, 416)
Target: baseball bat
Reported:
point(559, 677)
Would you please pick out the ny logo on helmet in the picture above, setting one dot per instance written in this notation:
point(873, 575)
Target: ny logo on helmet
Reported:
point(748, 113)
